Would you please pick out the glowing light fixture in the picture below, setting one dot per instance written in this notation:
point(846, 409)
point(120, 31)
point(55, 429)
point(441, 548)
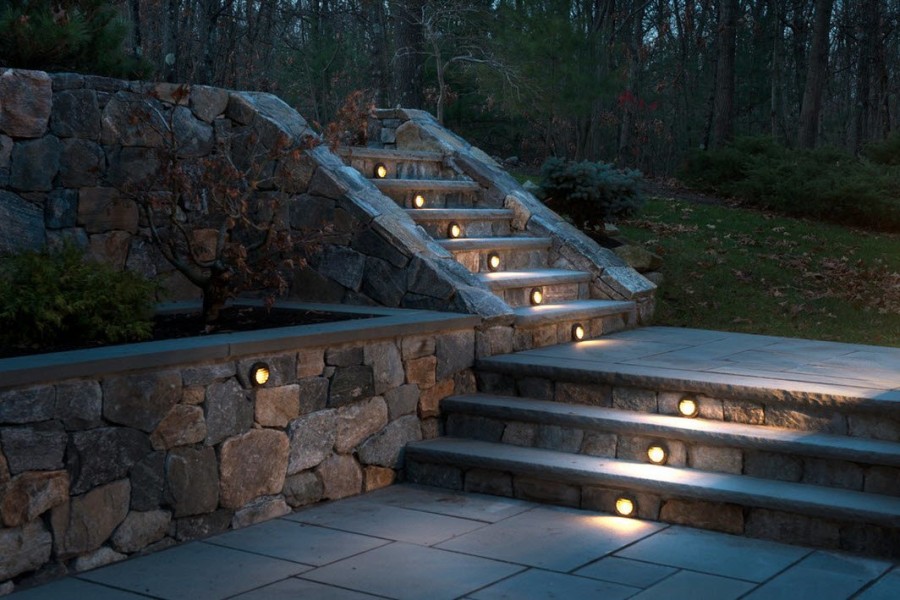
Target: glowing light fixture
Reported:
point(578, 332)
point(688, 407)
point(259, 373)
point(381, 171)
point(657, 454)
point(419, 201)
point(454, 230)
point(625, 506)
point(537, 296)
point(493, 261)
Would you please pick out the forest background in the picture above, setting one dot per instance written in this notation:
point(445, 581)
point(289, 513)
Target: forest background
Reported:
point(641, 83)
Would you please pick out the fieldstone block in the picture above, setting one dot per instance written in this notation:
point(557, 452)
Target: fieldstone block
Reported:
point(743, 412)
point(133, 120)
point(26, 98)
point(310, 362)
point(875, 427)
point(441, 476)
point(87, 521)
point(455, 352)
point(723, 460)
point(833, 473)
point(312, 438)
point(281, 369)
point(148, 480)
point(28, 405)
point(883, 480)
point(34, 164)
point(193, 137)
point(375, 478)
point(294, 172)
point(402, 400)
point(4, 469)
point(31, 494)
point(358, 421)
point(599, 444)
point(183, 425)
point(341, 477)
point(206, 374)
point(430, 399)
point(792, 419)
point(313, 393)
point(383, 283)
point(728, 518)
point(192, 480)
point(591, 394)
point(140, 529)
point(102, 556)
point(259, 510)
point(386, 447)
point(792, 528)
point(343, 265)
point(535, 387)
point(277, 406)
point(207, 102)
point(309, 212)
point(634, 399)
point(229, 411)
point(369, 242)
point(422, 371)
point(479, 428)
point(135, 169)
point(201, 526)
point(427, 278)
point(710, 408)
point(520, 434)
point(387, 366)
point(110, 248)
point(75, 114)
point(485, 481)
point(561, 439)
point(251, 465)
point(771, 465)
point(25, 548)
point(105, 454)
point(351, 383)
point(302, 489)
point(36, 448)
point(464, 382)
point(345, 356)
point(417, 346)
point(495, 340)
point(141, 401)
point(549, 492)
point(60, 209)
point(21, 224)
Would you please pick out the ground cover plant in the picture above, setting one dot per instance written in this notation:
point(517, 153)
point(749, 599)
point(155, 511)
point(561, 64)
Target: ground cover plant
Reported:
point(737, 269)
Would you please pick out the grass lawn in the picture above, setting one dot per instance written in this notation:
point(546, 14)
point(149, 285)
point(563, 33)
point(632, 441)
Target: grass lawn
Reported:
point(744, 270)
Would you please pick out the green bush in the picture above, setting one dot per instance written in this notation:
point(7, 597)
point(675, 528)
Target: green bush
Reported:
point(56, 297)
point(590, 193)
point(886, 152)
point(824, 184)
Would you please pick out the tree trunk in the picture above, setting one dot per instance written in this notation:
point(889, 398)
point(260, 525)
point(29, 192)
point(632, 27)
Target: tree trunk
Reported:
point(817, 70)
point(632, 73)
point(862, 106)
point(723, 104)
point(409, 74)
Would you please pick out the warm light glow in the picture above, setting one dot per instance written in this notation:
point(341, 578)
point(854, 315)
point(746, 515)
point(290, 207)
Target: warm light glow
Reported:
point(537, 296)
point(657, 454)
point(577, 332)
point(688, 407)
point(454, 230)
point(625, 506)
point(380, 171)
point(419, 201)
point(259, 373)
point(493, 261)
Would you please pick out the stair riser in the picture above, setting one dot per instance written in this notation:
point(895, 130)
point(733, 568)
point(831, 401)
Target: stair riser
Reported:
point(528, 338)
point(842, 420)
point(436, 199)
point(751, 521)
point(877, 479)
point(472, 229)
point(510, 259)
point(561, 292)
point(404, 169)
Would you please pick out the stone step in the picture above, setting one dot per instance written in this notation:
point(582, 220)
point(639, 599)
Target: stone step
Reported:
point(400, 164)
point(555, 285)
point(792, 512)
point(512, 253)
point(550, 324)
point(473, 222)
point(754, 450)
point(436, 193)
point(389, 153)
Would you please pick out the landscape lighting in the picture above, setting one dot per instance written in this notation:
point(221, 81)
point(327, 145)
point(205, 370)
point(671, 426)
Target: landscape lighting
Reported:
point(625, 506)
point(577, 332)
point(657, 454)
point(259, 374)
point(454, 230)
point(381, 171)
point(419, 201)
point(493, 261)
point(688, 407)
point(537, 296)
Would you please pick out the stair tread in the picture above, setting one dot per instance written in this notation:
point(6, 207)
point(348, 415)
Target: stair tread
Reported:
point(577, 309)
point(459, 214)
point(498, 243)
point(532, 277)
point(426, 185)
point(702, 485)
point(389, 153)
point(823, 445)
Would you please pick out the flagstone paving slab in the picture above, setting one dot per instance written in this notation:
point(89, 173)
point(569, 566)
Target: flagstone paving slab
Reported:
point(75, 589)
point(536, 584)
point(625, 571)
point(886, 588)
point(295, 589)
point(823, 576)
point(688, 585)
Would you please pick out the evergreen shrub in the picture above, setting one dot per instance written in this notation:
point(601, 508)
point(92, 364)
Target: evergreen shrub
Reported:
point(823, 184)
point(589, 193)
point(886, 152)
point(57, 297)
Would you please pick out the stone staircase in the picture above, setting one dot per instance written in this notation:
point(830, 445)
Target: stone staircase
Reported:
point(549, 301)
